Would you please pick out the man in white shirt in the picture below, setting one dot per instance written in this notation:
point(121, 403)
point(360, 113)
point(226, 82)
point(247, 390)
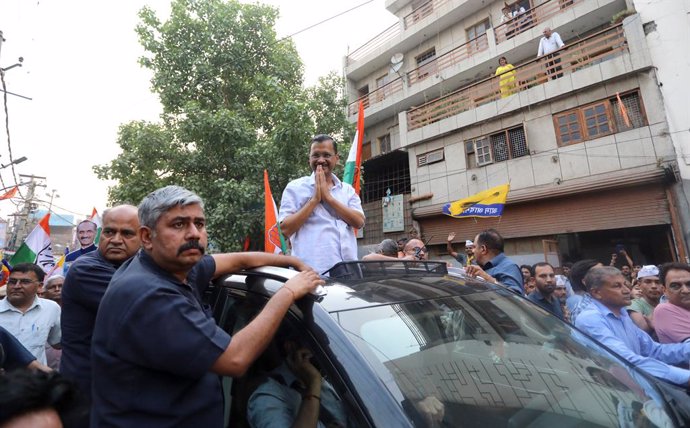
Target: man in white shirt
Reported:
point(319, 212)
point(34, 321)
point(548, 47)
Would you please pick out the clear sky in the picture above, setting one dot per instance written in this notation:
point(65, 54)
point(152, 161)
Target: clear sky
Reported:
point(80, 69)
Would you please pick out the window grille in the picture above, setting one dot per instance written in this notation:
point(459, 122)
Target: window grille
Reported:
point(498, 147)
point(518, 142)
point(633, 107)
point(380, 175)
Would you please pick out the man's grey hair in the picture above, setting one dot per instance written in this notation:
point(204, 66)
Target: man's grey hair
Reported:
point(388, 247)
point(52, 278)
point(597, 276)
point(161, 200)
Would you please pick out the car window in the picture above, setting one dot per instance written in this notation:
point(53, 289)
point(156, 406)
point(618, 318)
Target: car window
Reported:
point(496, 361)
point(269, 383)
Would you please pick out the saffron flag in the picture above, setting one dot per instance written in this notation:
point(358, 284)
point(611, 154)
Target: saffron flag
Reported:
point(623, 110)
point(10, 193)
point(354, 158)
point(99, 224)
point(488, 203)
point(273, 237)
point(36, 247)
point(59, 267)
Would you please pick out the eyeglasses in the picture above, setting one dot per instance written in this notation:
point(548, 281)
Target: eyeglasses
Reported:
point(675, 286)
point(21, 281)
point(419, 249)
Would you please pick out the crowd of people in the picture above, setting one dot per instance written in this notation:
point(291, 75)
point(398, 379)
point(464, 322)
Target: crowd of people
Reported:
point(640, 312)
point(125, 338)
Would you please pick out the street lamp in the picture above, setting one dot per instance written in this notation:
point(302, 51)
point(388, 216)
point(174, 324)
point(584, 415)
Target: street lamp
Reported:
point(14, 162)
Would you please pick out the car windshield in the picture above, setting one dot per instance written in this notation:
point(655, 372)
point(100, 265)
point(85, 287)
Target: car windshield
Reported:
point(493, 360)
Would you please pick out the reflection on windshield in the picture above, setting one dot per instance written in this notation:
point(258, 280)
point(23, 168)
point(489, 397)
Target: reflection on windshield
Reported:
point(492, 361)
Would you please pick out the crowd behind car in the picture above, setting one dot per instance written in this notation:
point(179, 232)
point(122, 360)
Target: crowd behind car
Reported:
point(129, 331)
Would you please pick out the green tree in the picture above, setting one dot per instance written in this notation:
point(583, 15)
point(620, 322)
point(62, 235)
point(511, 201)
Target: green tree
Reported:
point(233, 105)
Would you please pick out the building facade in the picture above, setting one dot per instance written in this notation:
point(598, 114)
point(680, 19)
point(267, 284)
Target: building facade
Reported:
point(582, 135)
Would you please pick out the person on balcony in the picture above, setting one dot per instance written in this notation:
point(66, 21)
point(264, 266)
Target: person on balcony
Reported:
point(506, 73)
point(548, 48)
point(507, 19)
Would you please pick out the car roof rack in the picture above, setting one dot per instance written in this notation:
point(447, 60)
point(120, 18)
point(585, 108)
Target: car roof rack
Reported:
point(368, 269)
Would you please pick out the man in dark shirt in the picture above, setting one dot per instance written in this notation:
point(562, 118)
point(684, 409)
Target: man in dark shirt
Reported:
point(492, 264)
point(86, 234)
point(546, 284)
point(157, 352)
point(84, 287)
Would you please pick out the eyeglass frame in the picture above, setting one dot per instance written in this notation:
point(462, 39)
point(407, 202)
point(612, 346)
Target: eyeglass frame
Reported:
point(21, 281)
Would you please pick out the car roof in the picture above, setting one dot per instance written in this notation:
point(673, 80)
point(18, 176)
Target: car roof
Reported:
point(375, 284)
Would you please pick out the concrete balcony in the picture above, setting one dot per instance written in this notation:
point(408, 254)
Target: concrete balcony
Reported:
point(466, 63)
point(408, 33)
point(603, 56)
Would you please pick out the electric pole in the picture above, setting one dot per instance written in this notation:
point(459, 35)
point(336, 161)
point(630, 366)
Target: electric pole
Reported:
point(22, 219)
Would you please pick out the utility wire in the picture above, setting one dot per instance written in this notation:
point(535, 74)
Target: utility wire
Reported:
point(323, 21)
point(207, 77)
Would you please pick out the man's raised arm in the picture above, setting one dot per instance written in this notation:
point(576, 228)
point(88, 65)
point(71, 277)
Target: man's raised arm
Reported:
point(233, 262)
point(247, 344)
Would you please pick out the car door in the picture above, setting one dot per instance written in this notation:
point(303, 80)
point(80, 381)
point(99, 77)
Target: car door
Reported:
point(235, 301)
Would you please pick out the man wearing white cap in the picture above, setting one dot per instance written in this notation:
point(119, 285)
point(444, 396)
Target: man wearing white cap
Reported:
point(641, 310)
point(464, 259)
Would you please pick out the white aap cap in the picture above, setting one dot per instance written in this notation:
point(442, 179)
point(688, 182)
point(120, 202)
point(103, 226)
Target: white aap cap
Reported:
point(648, 270)
point(469, 243)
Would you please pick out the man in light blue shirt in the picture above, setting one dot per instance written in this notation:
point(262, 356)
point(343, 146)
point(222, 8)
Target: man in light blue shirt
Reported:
point(319, 212)
point(34, 321)
point(295, 394)
point(492, 264)
point(607, 321)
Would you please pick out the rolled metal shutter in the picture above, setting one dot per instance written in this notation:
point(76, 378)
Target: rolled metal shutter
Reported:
point(636, 206)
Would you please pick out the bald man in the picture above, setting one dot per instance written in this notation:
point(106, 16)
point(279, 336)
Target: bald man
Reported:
point(84, 287)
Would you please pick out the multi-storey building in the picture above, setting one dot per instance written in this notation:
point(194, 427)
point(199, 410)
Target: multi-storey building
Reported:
point(583, 139)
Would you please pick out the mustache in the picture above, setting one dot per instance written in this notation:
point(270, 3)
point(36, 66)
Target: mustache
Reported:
point(190, 245)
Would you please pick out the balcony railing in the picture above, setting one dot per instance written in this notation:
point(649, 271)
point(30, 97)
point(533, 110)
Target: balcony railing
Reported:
point(422, 12)
point(593, 49)
point(420, 73)
point(448, 59)
point(375, 43)
point(531, 18)
point(376, 96)
point(408, 21)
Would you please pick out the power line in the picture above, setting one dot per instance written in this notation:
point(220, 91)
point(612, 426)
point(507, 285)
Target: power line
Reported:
point(205, 77)
point(324, 21)
point(16, 95)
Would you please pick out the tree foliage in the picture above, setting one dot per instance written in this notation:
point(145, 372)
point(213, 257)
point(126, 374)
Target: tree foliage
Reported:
point(233, 105)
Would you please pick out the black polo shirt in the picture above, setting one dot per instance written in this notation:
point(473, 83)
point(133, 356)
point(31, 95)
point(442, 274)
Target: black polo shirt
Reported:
point(554, 306)
point(153, 348)
point(85, 285)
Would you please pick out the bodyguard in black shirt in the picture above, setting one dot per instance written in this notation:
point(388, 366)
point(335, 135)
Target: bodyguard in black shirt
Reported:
point(156, 351)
